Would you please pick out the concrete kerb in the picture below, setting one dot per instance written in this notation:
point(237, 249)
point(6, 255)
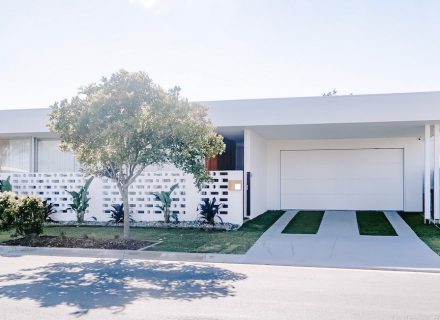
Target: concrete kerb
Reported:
point(11, 251)
point(15, 251)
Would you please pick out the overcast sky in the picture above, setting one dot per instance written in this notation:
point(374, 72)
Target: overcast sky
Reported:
point(219, 49)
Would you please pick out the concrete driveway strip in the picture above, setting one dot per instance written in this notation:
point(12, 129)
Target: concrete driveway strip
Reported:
point(53, 288)
point(339, 244)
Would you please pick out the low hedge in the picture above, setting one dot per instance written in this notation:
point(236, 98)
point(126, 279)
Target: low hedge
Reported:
point(25, 214)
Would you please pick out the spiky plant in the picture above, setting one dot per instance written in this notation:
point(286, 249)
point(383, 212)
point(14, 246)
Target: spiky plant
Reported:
point(49, 209)
point(209, 210)
point(117, 214)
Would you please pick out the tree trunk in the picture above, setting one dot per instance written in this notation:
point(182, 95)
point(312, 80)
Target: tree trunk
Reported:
point(80, 216)
point(123, 189)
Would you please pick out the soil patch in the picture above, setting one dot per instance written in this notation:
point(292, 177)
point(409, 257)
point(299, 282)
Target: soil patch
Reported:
point(71, 242)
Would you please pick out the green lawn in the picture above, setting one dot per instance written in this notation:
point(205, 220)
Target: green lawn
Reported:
point(305, 222)
point(374, 223)
point(179, 240)
point(429, 233)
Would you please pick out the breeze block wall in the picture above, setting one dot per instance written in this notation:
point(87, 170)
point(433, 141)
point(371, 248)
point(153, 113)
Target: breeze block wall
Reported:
point(143, 206)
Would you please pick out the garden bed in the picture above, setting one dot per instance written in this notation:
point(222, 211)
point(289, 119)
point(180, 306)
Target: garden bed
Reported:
point(73, 242)
point(151, 224)
point(169, 237)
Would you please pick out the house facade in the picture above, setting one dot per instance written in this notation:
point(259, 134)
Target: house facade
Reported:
point(357, 152)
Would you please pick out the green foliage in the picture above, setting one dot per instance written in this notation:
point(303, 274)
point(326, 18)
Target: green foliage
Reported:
point(209, 210)
point(24, 213)
point(30, 217)
point(305, 222)
point(9, 203)
point(5, 185)
point(117, 214)
point(178, 239)
point(49, 209)
point(124, 123)
point(428, 232)
point(374, 223)
point(80, 200)
point(165, 197)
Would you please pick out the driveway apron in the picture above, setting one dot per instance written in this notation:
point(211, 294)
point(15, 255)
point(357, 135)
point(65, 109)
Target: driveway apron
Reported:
point(339, 244)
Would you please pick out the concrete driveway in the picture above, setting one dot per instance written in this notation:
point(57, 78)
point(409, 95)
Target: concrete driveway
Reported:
point(54, 288)
point(338, 244)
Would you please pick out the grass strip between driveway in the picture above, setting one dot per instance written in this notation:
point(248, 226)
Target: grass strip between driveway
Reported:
point(374, 223)
point(428, 233)
point(177, 240)
point(305, 222)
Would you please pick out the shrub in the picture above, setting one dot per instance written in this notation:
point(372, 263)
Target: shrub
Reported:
point(117, 214)
point(209, 211)
point(30, 216)
point(24, 213)
point(49, 209)
point(9, 203)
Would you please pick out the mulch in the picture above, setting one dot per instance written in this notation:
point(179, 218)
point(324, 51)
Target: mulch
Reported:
point(71, 242)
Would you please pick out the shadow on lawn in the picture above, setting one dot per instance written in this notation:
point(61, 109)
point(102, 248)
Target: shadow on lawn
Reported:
point(115, 284)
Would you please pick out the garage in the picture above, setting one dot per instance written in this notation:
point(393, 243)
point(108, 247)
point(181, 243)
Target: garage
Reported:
point(342, 179)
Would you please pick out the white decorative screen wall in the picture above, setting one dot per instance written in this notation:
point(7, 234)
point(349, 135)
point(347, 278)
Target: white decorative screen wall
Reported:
point(49, 186)
point(103, 193)
point(218, 189)
point(142, 203)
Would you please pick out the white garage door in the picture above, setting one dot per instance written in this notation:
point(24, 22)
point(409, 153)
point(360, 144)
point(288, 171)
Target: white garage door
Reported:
point(361, 179)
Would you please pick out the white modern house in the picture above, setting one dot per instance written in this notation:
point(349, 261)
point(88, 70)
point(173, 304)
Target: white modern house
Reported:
point(357, 152)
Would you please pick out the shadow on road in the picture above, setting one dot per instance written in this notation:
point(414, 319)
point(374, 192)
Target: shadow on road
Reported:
point(115, 284)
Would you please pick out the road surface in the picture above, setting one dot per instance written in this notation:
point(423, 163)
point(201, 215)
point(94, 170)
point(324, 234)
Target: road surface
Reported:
point(41, 287)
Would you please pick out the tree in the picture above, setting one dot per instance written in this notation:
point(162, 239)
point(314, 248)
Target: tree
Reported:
point(330, 93)
point(333, 93)
point(122, 124)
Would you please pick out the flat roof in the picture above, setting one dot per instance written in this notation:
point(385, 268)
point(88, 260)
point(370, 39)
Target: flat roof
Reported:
point(345, 109)
point(375, 108)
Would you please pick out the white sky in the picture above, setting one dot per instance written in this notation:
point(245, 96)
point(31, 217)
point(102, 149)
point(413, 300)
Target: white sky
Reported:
point(219, 49)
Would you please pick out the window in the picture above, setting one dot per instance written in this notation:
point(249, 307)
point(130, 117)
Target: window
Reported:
point(51, 159)
point(15, 155)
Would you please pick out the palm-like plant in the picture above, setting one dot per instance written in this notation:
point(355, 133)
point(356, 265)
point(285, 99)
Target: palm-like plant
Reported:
point(209, 210)
point(80, 201)
point(165, 198)
point(5, 185)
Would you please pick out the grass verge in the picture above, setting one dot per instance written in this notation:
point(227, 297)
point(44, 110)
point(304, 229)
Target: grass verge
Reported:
point(178, 240)
point(374, 223)
point(428, 233)
point(305, 222)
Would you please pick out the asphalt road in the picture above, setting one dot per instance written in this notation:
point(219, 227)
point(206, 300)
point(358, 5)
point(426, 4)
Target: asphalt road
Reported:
point(40, 287)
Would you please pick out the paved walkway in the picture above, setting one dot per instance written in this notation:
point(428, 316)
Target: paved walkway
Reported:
point(338, 244)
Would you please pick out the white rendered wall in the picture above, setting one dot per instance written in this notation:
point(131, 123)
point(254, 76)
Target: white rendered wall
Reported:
point(413, 164)
point(24, 121)
point(255, 162)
